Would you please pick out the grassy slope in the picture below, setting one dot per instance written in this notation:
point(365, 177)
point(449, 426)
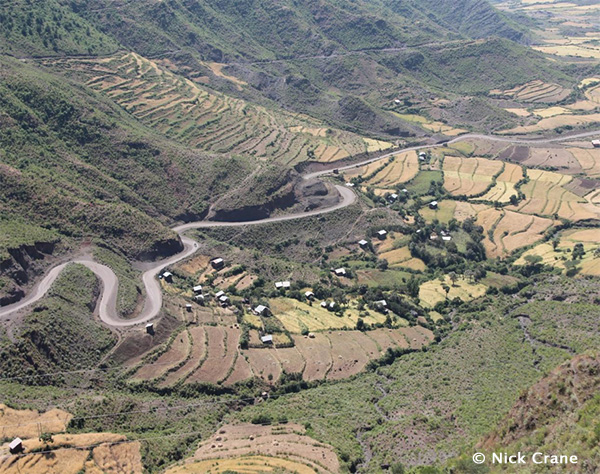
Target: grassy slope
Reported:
point(60, 334)
point(448, 397)
point(76, 163)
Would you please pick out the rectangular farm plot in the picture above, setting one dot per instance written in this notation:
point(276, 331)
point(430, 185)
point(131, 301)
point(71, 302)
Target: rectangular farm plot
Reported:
point(505, 184)
point(432, 292)
point(403, 168)
point(264, 363)
point(221, 354)
point(558, 257)
point(546, 196)
point(196, 356)
point(317, 354)
point(241, 370)
point(589, 159)
point(177, 353)
point(290, 359)
point(510, 230)
point(402, 258)
point(469, 176)
point(297, 316)
point(349, 357)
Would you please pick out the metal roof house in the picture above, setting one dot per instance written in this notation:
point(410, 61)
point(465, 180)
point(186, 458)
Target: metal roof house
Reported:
point(16, 446)
point(261, 309)
point(340, 271)
point(268, 339)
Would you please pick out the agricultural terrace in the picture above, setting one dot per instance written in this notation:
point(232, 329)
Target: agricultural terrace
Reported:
point(206, 119)
point(589, 160)
point(505, 184)
point(546, 195)
point(436, 291)
point(70, 453)
point(431, 125)
point(560, 254)
point(506, 231)
point(470, 176)
point(214, 355)
point(256, 449)
point(394, 249)
point(551, 123)
point(385, 178)
point(534, 92)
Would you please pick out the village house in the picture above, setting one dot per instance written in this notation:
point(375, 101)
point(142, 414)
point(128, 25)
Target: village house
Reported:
point(323, 304)
point(433, 236)
point(188, 308)
point(268, 339)
point(282, 285)
point(340, 272)
point(217, 263)
point(363, 243)
point(309, 295)
point(446, 238)
point(168, 277)
point(197, 289)
point(382, 234)
point(150, 328)
point(261, 310)
point(422, 156)
point(199, 299)
point(219, 294)
point(393, 197)
point(433, 205)
point(224, 300)
point(596, 143)
point(16, 446)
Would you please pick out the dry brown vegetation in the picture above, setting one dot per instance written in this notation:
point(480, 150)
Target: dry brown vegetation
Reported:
point(255, 448)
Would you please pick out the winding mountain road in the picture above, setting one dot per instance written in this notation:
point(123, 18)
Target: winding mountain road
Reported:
point(107, 308)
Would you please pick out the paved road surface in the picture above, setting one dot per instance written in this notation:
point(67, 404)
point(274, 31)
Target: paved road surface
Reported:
point(107, 308)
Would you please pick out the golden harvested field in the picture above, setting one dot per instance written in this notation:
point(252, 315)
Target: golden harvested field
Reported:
point(589, 264)
point(296, 316)
point(535, 92)
point(469, 176)
point(554, 122)
point(402, 258)
point(204, 118)
point(243, 465)
point(551, 112)
point(505, 184)
point(403, 168)
point(248, 448)
point(546, 196)
point(585, 50)
point(97, 453)
point(431, 125)
point(31, 421)
point(520, 112)
point(510, 230)
point(432, 292)
point(589, 159)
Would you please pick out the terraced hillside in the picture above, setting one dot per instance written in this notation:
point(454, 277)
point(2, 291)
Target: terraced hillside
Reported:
point(259, 449)
point(203, 354)
point(202, 118)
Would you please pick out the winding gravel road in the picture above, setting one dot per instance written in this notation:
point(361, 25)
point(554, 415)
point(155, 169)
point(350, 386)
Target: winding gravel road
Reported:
point(107, 308)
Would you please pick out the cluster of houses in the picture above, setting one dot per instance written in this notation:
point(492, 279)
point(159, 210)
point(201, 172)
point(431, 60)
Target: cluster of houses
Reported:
point(445, 236)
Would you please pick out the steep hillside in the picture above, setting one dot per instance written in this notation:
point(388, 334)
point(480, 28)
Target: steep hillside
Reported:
point(560, 414)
